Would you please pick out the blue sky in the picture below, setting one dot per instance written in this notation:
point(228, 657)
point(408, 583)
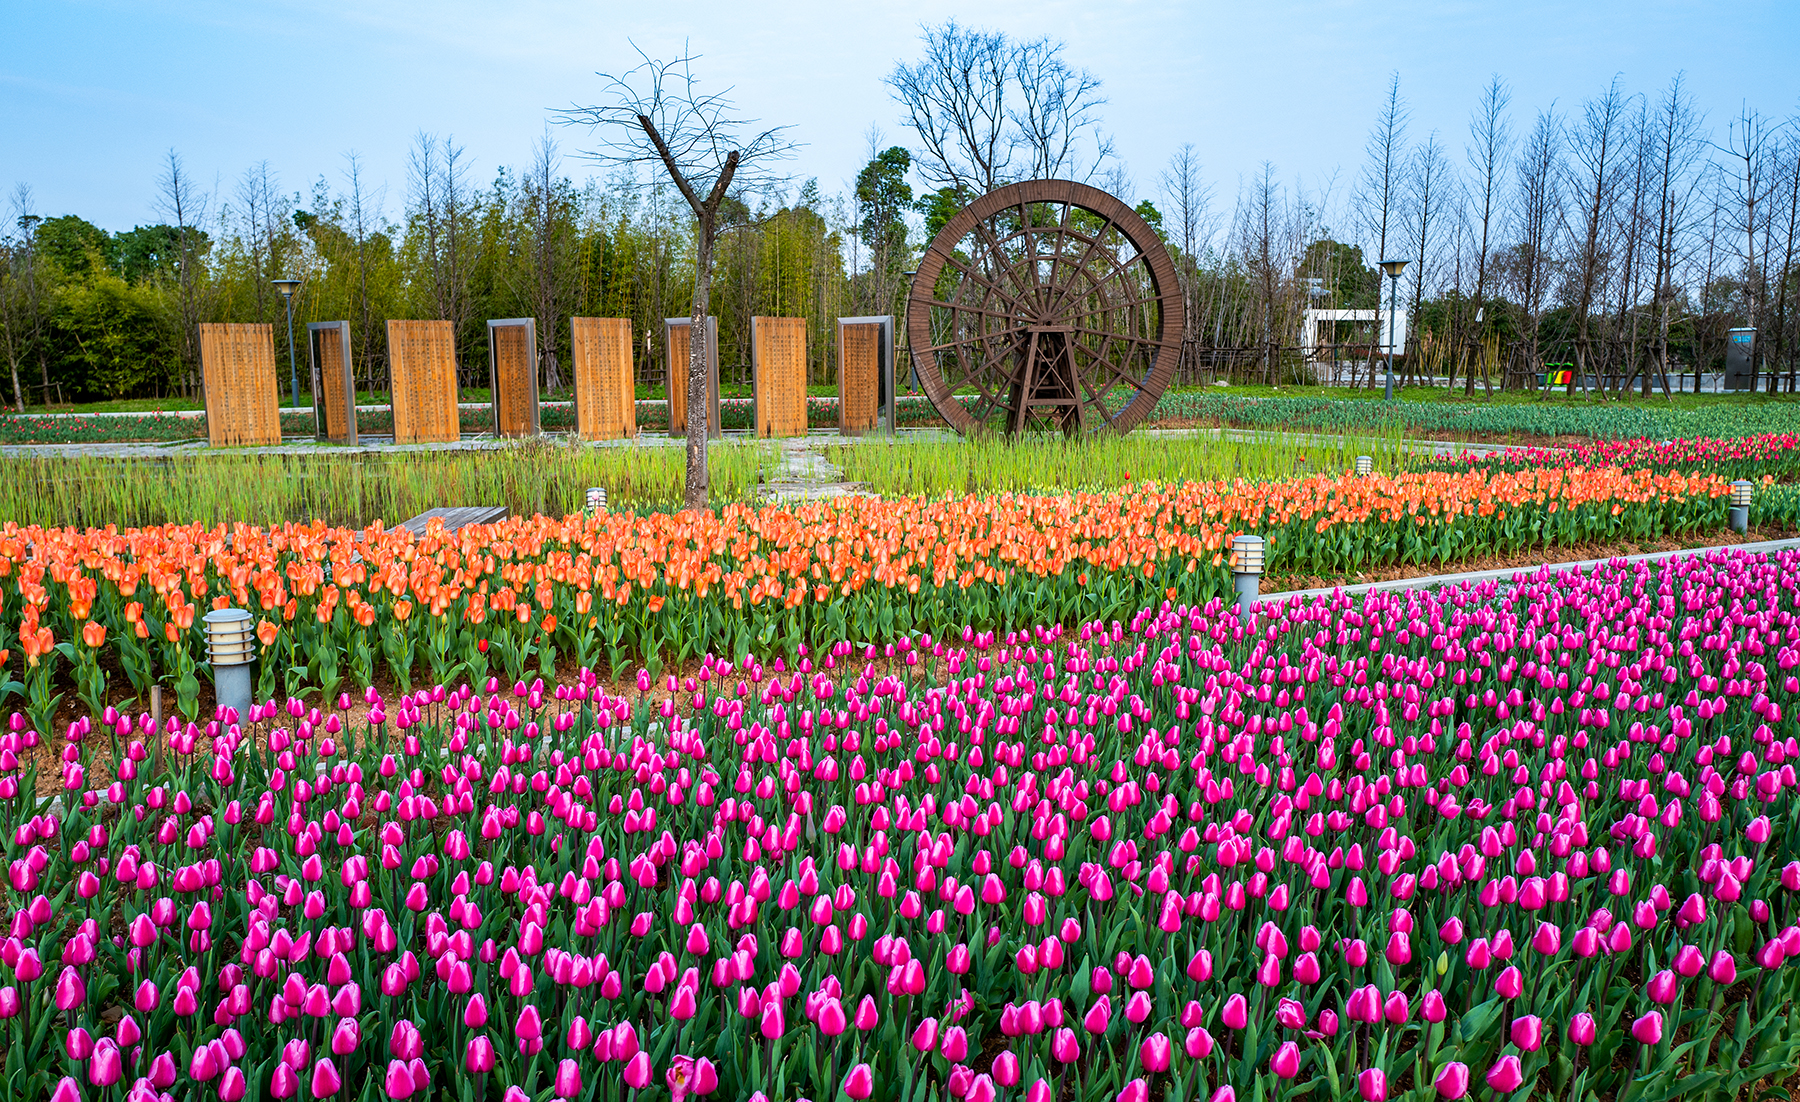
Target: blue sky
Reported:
point(93, 95)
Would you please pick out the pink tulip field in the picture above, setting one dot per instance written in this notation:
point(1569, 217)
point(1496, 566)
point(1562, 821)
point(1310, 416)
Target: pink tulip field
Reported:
point(1525, 840)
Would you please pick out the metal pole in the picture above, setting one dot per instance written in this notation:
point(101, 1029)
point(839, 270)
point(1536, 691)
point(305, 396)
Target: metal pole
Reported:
point(293, 365)
point(1248, 589)
point(1393, 285)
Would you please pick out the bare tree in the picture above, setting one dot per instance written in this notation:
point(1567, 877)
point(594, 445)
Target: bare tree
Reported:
point(443, 209)
point(1190, 201)
point(185, 206)
point(982, 103)
point(1383, 172)
point(1633, 235)
point(1532, 263)
point(22, 291)
point(1427, 181)
point(1490, 147)
point(1787, 180)
point(955, 101)
point(1675, 140)
point(549, 214)
point(362, 222)
point(1597, 144)
point(1058, 109)
point(1193, 226)
point(259, 197)
point(1748, 143)
point(659, 115)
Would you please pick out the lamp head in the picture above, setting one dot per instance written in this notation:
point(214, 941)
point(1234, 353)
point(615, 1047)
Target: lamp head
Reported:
point(230, 637)
point(287, 287)
point(1742, 491)
point(1393, 267)
point(1248, 551)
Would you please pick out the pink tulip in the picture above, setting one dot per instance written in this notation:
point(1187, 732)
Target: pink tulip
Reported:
point(1506, 1074)
point(1648, 1029)
point(71, 992)
point(1723, 968)
point(638, 1071)
point(1528, 1032)
point(860, 1082)
point(398, 1082)
point(1064, 1046)
point(1662, 987)
point(67, 1090)
point(1372, 1085)
point(478, 1057)
point(1236, 1012)
point(104, 1069)
point(325, 1078)
point(924, 1038)
point(568, 1079)
point(1155, 1052)
point(232, 1085)
point(1286, 1061)
point(1452, 1080)
point(1432, 1006)
point(1006, 1068)
point(1511, 983)
point(1582, 1029)
point(283, 1083)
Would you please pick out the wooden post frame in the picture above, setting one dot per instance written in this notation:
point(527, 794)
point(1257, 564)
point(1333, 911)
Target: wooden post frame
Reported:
point(675, 360)
point(513, 376)
point(237, 364)
point(866, 374)
point(333, 381)
point(778, 375)
point(605, 384)
point(422, 367)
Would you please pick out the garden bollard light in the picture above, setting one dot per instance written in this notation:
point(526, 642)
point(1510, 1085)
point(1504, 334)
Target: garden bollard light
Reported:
point(231, 647)
point(1246, 571)
point(1364, 464)
point(1741, 492)
point(596, 498)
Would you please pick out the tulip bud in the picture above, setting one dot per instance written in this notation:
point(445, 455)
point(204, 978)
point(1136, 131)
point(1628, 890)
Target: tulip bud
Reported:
point(1452, 1081)
point(1506, 1074)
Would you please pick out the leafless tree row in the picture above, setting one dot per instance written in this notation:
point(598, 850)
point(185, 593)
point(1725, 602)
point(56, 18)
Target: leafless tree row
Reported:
point(1617, 240)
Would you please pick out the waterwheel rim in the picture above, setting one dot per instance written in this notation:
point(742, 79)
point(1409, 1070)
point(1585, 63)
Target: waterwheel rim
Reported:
point(1046, 305)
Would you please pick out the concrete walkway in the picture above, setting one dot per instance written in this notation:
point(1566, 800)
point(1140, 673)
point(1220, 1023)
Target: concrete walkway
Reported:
point(1507, 574)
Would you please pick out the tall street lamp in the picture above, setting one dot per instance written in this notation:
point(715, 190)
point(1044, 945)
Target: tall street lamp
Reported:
point(287, 287)
point(1393, 268)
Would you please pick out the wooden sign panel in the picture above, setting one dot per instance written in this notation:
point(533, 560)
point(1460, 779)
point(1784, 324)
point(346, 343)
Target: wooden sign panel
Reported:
point(334, 381)
point(237, 364)
point(778, 371)
point(866, 374)
point(859, 377)
point(605, 384)
point(422, 366)
point(512, 376)
point(675, 341)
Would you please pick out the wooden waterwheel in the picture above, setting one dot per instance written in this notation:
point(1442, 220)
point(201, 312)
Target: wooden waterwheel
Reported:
point(1045, 306)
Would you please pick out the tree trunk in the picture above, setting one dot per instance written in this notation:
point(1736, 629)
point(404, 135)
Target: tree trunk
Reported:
point(699, 400)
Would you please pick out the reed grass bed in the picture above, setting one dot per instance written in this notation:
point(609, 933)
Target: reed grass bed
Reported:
point(1047, 464)
point(357, 488)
